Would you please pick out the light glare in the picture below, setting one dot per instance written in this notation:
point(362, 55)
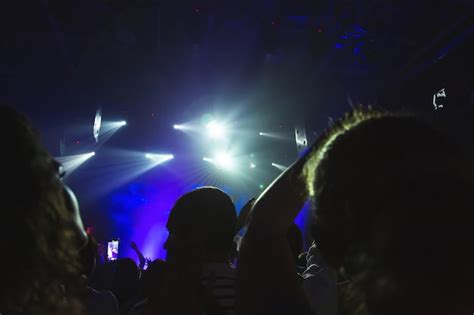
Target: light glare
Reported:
point(279, 166)
point(222, 161)
point(215, 130)
point(159, 158)
point(72, 162)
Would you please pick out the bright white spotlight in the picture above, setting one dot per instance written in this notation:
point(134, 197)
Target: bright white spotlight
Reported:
point(159, 158)
point(215, 130)
point(184, 127)
point(72, 162)
point(261, 133)
point(279, 166)
point(222, 161)
point(122, 123)
point(252, 165)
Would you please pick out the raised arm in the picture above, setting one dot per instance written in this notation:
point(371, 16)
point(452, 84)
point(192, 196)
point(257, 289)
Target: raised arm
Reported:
point(267, 278)
point(141, 258)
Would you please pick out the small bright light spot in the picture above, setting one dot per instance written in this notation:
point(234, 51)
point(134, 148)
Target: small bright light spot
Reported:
point(252, 165)
point(182, 127)
point(261, 186)
point(123, 123)
point(92, 153)
point(215, 130)
point(261, 133)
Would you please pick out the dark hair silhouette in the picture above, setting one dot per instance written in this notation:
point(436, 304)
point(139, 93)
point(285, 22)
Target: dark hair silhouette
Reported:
point(393, 197)
point(212, 212)
point(88, 256)
point(36, 234)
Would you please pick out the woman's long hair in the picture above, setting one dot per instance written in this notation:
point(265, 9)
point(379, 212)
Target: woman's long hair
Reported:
point(37, 241)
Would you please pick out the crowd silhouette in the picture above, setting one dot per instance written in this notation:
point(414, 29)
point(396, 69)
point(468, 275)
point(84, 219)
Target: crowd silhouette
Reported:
point(391, 233)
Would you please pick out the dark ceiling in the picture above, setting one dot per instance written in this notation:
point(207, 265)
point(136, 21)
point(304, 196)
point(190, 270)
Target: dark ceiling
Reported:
point(60, 60)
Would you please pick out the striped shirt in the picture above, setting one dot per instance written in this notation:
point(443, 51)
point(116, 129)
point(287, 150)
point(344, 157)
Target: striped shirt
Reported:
point(220, 277)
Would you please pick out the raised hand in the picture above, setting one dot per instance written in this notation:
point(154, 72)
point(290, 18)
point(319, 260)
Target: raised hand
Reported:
point(133, 245)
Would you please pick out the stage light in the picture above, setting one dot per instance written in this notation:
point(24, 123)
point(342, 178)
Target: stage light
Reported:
point(215, 130)
point(222, 161)
point(159, 158)
point(183, 127)
point(279, 166)
point(97, 125)
point(252, 165)
point(261, 186)
point(110, 127)
point(72, 162)
point(276, 135)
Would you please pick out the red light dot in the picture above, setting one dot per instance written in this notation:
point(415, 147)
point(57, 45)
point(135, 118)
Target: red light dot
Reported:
point(319, 30)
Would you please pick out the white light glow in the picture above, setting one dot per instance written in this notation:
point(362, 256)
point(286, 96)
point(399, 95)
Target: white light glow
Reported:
point(222, 160)
point(72, 162)
point(97, 125)
point(279, 166)
point(215, 130)
point(159, 158)
point(252, 165)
